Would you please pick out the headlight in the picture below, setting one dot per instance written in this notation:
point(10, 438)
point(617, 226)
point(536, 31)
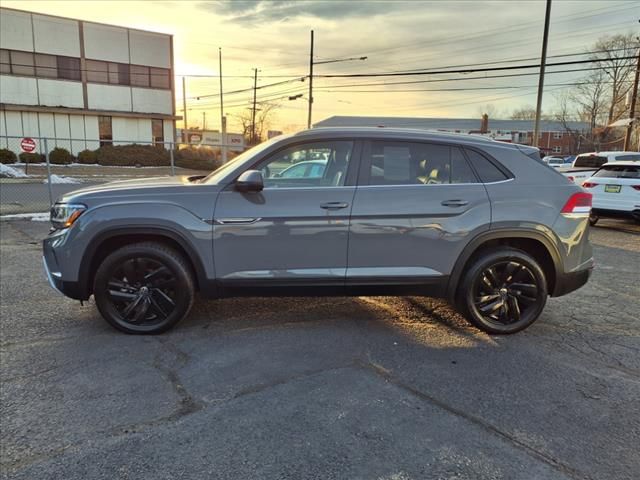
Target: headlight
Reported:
point(64, 214)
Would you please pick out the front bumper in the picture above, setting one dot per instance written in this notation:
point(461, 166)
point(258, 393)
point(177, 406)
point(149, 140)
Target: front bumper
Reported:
point(54, 275)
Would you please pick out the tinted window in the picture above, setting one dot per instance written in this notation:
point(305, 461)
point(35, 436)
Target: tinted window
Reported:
point(487, 171)
point(632, 156)
point(69, 68)
point(404, 163)
point(285, 168)
point(589, 161)
point(619, 171)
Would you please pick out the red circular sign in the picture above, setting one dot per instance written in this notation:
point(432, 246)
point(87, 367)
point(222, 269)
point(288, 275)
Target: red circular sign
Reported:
point(28, 144)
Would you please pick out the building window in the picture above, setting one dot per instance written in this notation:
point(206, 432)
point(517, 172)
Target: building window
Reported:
point(104, 129)
point(5, 61)
point(46, 65)
point(22, 63)
point(557, 149)
point(119, 73)
point(160, 78)
point(139, 76)
point(157, 131)
point(557, 135)
point(69, 68)
point(97, 71)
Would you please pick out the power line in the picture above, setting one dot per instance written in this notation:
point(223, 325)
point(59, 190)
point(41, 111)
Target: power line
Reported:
point(466, 70)
point(462, 89)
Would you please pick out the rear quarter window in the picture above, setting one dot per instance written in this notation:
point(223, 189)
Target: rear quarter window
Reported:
point(589, 161)
point(485, 169)
point(633, 156)
point(618, 171)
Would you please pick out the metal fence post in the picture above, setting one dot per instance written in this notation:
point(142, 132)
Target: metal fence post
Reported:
point(46, 152)
point(173, 167)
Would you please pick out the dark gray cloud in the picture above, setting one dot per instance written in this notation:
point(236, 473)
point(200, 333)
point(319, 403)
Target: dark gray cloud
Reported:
point(253, 12)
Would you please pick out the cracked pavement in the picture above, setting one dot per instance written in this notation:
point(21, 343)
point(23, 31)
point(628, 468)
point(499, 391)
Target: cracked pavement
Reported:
point(353, 388)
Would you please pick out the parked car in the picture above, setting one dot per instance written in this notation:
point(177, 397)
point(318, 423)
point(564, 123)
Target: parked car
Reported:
point(552, 157)
point(308, 169)
point(586, 164)
point(482, 223)
point(616, 191)
point(556, 162)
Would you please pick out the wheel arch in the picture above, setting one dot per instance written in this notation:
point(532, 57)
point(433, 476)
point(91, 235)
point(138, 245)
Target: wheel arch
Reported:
point(534, 242)
point(106, 242)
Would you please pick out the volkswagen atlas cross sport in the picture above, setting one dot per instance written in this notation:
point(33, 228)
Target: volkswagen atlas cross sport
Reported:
point(484, 224)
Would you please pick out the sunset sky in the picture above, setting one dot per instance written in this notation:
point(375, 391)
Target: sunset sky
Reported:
point(274, 37)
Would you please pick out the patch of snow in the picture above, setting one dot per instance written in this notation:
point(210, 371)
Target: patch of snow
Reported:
point(9, 172)
point(34, 217)
point(60, 179)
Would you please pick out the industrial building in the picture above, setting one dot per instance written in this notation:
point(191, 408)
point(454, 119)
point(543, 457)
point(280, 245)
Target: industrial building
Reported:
point(94, 83)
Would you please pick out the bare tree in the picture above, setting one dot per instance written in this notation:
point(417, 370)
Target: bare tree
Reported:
point(617, 60)
point(265, 114)
point(526, 112)
point(566, 116)
point(490, 109)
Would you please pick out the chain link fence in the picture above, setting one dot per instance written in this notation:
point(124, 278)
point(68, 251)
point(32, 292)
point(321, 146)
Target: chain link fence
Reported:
point(35, 171)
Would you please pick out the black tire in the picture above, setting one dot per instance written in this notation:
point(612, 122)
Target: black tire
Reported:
point(509, 301)
point(144, 288)
point(593, 219)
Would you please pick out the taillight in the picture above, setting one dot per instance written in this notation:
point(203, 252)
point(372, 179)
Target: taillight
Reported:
point(589, 184)
point(579, 202)
point(636, 187)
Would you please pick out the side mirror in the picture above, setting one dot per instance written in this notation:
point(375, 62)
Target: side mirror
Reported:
point(250, 181)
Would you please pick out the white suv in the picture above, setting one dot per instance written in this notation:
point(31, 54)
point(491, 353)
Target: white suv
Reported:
point(586, 164)
point(616, 191)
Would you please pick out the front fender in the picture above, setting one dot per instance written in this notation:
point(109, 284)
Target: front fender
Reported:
point(76, 251)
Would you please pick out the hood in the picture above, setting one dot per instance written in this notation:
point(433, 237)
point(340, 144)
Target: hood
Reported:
point(124, 188)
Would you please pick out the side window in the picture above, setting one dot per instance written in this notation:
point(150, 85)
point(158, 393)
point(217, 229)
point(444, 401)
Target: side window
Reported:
point(460, 170)
point(487, 171)
point(404, 163)
point(317, 164)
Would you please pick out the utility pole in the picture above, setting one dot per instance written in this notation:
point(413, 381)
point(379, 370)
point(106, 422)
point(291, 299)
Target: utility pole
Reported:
point(543, 62)
point(223, 122)
point(310, 82)
point(632, 109)
point(204, 121)
point(184, 109)
point(253, 110)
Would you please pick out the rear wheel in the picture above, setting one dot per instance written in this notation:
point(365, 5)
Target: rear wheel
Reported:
point(144, 288)
point(503, 291)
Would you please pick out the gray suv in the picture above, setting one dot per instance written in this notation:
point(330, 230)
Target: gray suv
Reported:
point(374, 211)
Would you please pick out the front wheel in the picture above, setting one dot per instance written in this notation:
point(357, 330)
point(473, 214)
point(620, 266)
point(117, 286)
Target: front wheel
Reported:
point(144, 288)
point(503, 291)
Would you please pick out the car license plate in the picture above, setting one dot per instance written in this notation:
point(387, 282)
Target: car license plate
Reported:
point(612, 188)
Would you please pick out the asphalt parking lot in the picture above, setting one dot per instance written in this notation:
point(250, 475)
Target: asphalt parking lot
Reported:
point(353, 388)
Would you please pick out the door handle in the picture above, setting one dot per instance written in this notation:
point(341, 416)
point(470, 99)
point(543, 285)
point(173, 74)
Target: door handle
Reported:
point(334, 205)
point(455, 203)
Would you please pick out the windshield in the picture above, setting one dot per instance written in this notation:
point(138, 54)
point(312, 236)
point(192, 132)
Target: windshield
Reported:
point(217, 174)
point(618, 171)
point(589, 161)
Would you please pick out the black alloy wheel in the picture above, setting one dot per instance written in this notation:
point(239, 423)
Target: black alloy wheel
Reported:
point(504, 291)
point(143, 291)
point(143, 288)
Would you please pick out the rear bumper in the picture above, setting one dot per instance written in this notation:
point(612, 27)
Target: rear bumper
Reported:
point(609, 213)
point(569, 282)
